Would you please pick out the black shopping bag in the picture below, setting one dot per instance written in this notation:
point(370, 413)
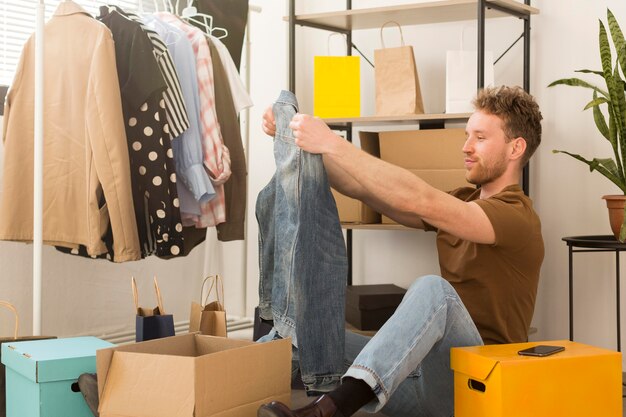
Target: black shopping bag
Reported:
point(3, 400)
point(152, 323)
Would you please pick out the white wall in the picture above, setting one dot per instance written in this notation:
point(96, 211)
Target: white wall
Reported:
point(566, 195)
point(82, 296)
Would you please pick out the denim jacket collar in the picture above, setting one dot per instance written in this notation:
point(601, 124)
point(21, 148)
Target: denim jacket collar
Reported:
point(287, 97)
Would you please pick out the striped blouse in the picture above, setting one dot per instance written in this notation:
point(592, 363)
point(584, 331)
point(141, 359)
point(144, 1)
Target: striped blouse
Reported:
point(175, 109)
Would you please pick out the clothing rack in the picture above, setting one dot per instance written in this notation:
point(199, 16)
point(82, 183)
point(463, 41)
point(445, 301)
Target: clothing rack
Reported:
point(38, 170)
point(38, 160)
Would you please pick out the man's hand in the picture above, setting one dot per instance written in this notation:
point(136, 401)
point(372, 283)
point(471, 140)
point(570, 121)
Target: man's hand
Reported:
point(312, 134)
point(269, 123)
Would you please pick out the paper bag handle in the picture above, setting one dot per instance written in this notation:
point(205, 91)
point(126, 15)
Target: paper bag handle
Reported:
point(382, 41)
point(328, 42)
point(463, 35)
point(218, 283)
point(11, 307)
point(133, 283)
point(159, 298)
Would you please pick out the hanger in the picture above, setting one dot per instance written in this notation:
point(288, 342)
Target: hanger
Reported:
point(170, 7)
point(203, 20)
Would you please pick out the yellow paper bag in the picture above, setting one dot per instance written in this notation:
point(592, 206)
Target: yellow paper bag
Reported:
point(337, 86)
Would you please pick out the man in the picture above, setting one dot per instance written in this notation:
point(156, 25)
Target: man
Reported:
point(490, 253)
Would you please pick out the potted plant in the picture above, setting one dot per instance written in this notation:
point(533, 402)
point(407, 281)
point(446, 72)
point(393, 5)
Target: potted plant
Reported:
point(614, 101)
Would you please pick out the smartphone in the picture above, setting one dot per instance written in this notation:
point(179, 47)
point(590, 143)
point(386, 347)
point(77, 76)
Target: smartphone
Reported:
point(541, 350)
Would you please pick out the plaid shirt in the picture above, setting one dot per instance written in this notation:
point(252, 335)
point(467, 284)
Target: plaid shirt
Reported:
point(213, 212)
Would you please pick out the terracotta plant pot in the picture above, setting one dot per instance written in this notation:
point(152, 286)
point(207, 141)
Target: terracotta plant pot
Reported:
point(615, 204)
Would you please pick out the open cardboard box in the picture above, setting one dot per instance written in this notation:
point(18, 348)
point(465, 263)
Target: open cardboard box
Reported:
point(193, 376)
point(354, 211)
point(435, 155)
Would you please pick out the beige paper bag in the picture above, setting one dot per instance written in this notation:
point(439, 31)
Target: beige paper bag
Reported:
point(210, 318)
point(397, 83)
point(14, 338)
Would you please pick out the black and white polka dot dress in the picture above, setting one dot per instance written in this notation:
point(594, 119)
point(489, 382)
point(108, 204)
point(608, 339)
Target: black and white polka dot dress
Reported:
point(153, 179)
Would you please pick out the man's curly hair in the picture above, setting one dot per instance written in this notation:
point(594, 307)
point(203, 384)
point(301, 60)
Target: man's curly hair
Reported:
point(519, 113)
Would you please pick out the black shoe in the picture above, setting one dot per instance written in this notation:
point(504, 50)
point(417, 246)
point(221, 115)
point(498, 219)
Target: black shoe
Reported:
point(88, 385)
point(324, 406)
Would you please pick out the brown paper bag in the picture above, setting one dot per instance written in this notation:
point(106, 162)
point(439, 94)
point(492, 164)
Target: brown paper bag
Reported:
point(397, 84)
point(210, 318)
point(9, 306)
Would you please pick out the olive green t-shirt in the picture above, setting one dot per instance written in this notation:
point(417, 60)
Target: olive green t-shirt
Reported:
point(497, 282)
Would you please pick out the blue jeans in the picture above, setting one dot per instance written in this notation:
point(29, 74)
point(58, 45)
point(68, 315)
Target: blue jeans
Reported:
point(302, 257)
point(407, 362)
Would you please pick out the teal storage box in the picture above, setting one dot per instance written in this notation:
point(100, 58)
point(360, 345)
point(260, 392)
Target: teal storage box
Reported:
point(41, 376)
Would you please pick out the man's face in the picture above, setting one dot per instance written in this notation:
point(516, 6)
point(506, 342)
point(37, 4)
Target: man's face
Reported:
point(486, 148)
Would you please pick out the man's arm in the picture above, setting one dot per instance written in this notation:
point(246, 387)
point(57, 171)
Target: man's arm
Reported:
point(389, 189)
point(338, 178)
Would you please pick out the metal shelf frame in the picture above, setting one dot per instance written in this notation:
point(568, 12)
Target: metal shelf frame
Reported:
point(484, 10)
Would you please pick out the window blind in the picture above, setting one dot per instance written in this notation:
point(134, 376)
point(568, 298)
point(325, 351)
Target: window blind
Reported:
point(17, 24)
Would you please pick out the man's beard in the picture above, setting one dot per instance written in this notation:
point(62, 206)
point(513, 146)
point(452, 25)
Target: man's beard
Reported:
point(481, 174)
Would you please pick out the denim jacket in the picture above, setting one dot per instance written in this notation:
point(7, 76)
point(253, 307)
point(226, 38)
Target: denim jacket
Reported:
point(302, 256)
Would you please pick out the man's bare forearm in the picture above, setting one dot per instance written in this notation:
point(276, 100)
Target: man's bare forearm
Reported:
point(340, 180)
point(386, 188)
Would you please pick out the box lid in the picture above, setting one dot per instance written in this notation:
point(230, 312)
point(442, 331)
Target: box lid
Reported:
point(479, 361)
point(373, 297)
point(53, 359)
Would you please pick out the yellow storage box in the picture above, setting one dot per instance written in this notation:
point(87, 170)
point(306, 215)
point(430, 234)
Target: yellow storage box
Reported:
point(495, 381)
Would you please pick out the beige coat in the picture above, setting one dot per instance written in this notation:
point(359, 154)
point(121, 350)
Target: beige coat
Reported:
point(85, 150)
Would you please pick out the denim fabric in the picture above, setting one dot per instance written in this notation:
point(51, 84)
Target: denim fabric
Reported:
point(302, 257)
point(407, 362)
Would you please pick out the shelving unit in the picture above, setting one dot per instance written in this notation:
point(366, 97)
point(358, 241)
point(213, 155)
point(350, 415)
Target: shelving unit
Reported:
point(376, 226)
point(413, 14)
point(345, 21)
point(408, 119)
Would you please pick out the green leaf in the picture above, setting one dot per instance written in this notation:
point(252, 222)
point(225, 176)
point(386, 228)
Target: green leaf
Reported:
point(607, 163)
point(599, 119)
point(619, 104)
point(595, 102)
point(622, 229)
point(599, 165)
point(618, 39)
point(577, 82)
point(586, 71)
point(605, 55)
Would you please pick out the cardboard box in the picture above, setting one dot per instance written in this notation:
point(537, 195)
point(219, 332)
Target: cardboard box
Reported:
point(434, 155)
point(368, 307)
point(42, 375)
point(193, 376)
point(494, 381)
point(354, 211)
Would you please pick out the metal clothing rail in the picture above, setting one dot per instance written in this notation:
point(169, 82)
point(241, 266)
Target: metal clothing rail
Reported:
point(38, 164)
point(38, 170)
